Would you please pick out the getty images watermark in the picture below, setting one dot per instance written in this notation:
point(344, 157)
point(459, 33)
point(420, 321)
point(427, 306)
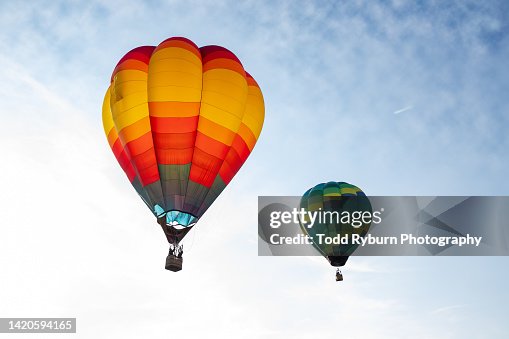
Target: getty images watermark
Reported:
point(392, 226)
point(355, 219)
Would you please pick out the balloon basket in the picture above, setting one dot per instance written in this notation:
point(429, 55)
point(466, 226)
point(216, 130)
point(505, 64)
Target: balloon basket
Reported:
point(173, 263)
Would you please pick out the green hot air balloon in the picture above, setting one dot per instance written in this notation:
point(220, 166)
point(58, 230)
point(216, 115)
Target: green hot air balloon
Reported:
point(339, 208)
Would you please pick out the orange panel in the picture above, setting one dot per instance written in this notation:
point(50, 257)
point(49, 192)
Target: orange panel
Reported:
point(173, 109)
point(247, 135)
point(112, 136)
point(132, 64)
point(135, 130)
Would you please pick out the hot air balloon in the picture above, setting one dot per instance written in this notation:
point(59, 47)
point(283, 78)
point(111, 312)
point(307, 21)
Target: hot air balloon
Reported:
point(334, 199)
point(181, 121)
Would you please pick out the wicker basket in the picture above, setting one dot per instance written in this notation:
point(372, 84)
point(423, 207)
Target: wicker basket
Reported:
point(173, 263)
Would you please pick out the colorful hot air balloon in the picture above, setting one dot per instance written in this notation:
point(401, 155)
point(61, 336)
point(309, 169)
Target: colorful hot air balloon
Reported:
point(335, 197)
point(181, 121)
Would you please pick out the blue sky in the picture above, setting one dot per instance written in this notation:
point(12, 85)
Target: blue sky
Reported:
point(396, 97)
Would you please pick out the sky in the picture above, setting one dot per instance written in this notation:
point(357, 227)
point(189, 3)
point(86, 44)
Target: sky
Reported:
point(396, 97)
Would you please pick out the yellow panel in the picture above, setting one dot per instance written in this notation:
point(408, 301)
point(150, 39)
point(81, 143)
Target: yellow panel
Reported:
point(176, 52)
point(129, 75)
point(119, 92)
point(256, 92)
point(225, 75)
point(128, 98)
point(107, 118)
point(221, 101)
point(180, 65)
point(128, 102)
point(136, 130)
point(131, 116)
point(180, 79)
point(131, 87)
point(220, 117)
point(227, 88)
point(175, 74)
point(255, 111)
point(173, 93)
point(349, 190)
point(254, 124)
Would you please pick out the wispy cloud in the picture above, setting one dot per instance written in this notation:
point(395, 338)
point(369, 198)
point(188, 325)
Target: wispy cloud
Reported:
point(404, 109)
point(447, 309)
point(16, 73)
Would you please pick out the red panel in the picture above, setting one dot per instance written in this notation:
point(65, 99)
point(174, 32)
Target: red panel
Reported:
point(181, 38)
point(226, 173)
point(201, 176)
point(149, 175)
point(214, 52)
point(251, 81)
point(174, 140)
point(234, 160)
point(117, 147)
point(174, 125)
point(126, 165)
point(174, 148)
point(123, 160)
point(204, 168)
point(139, 145)
point(241, 148)
point(231, 166)
point(174, 156)
point(147, 168)
point(145, 159)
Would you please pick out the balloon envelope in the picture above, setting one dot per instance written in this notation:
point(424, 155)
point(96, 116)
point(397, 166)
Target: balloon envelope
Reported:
point(181, 121)
point(334, 201)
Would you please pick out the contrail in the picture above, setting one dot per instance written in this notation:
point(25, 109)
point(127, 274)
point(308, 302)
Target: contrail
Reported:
point(447, 309)
point(403, 109)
